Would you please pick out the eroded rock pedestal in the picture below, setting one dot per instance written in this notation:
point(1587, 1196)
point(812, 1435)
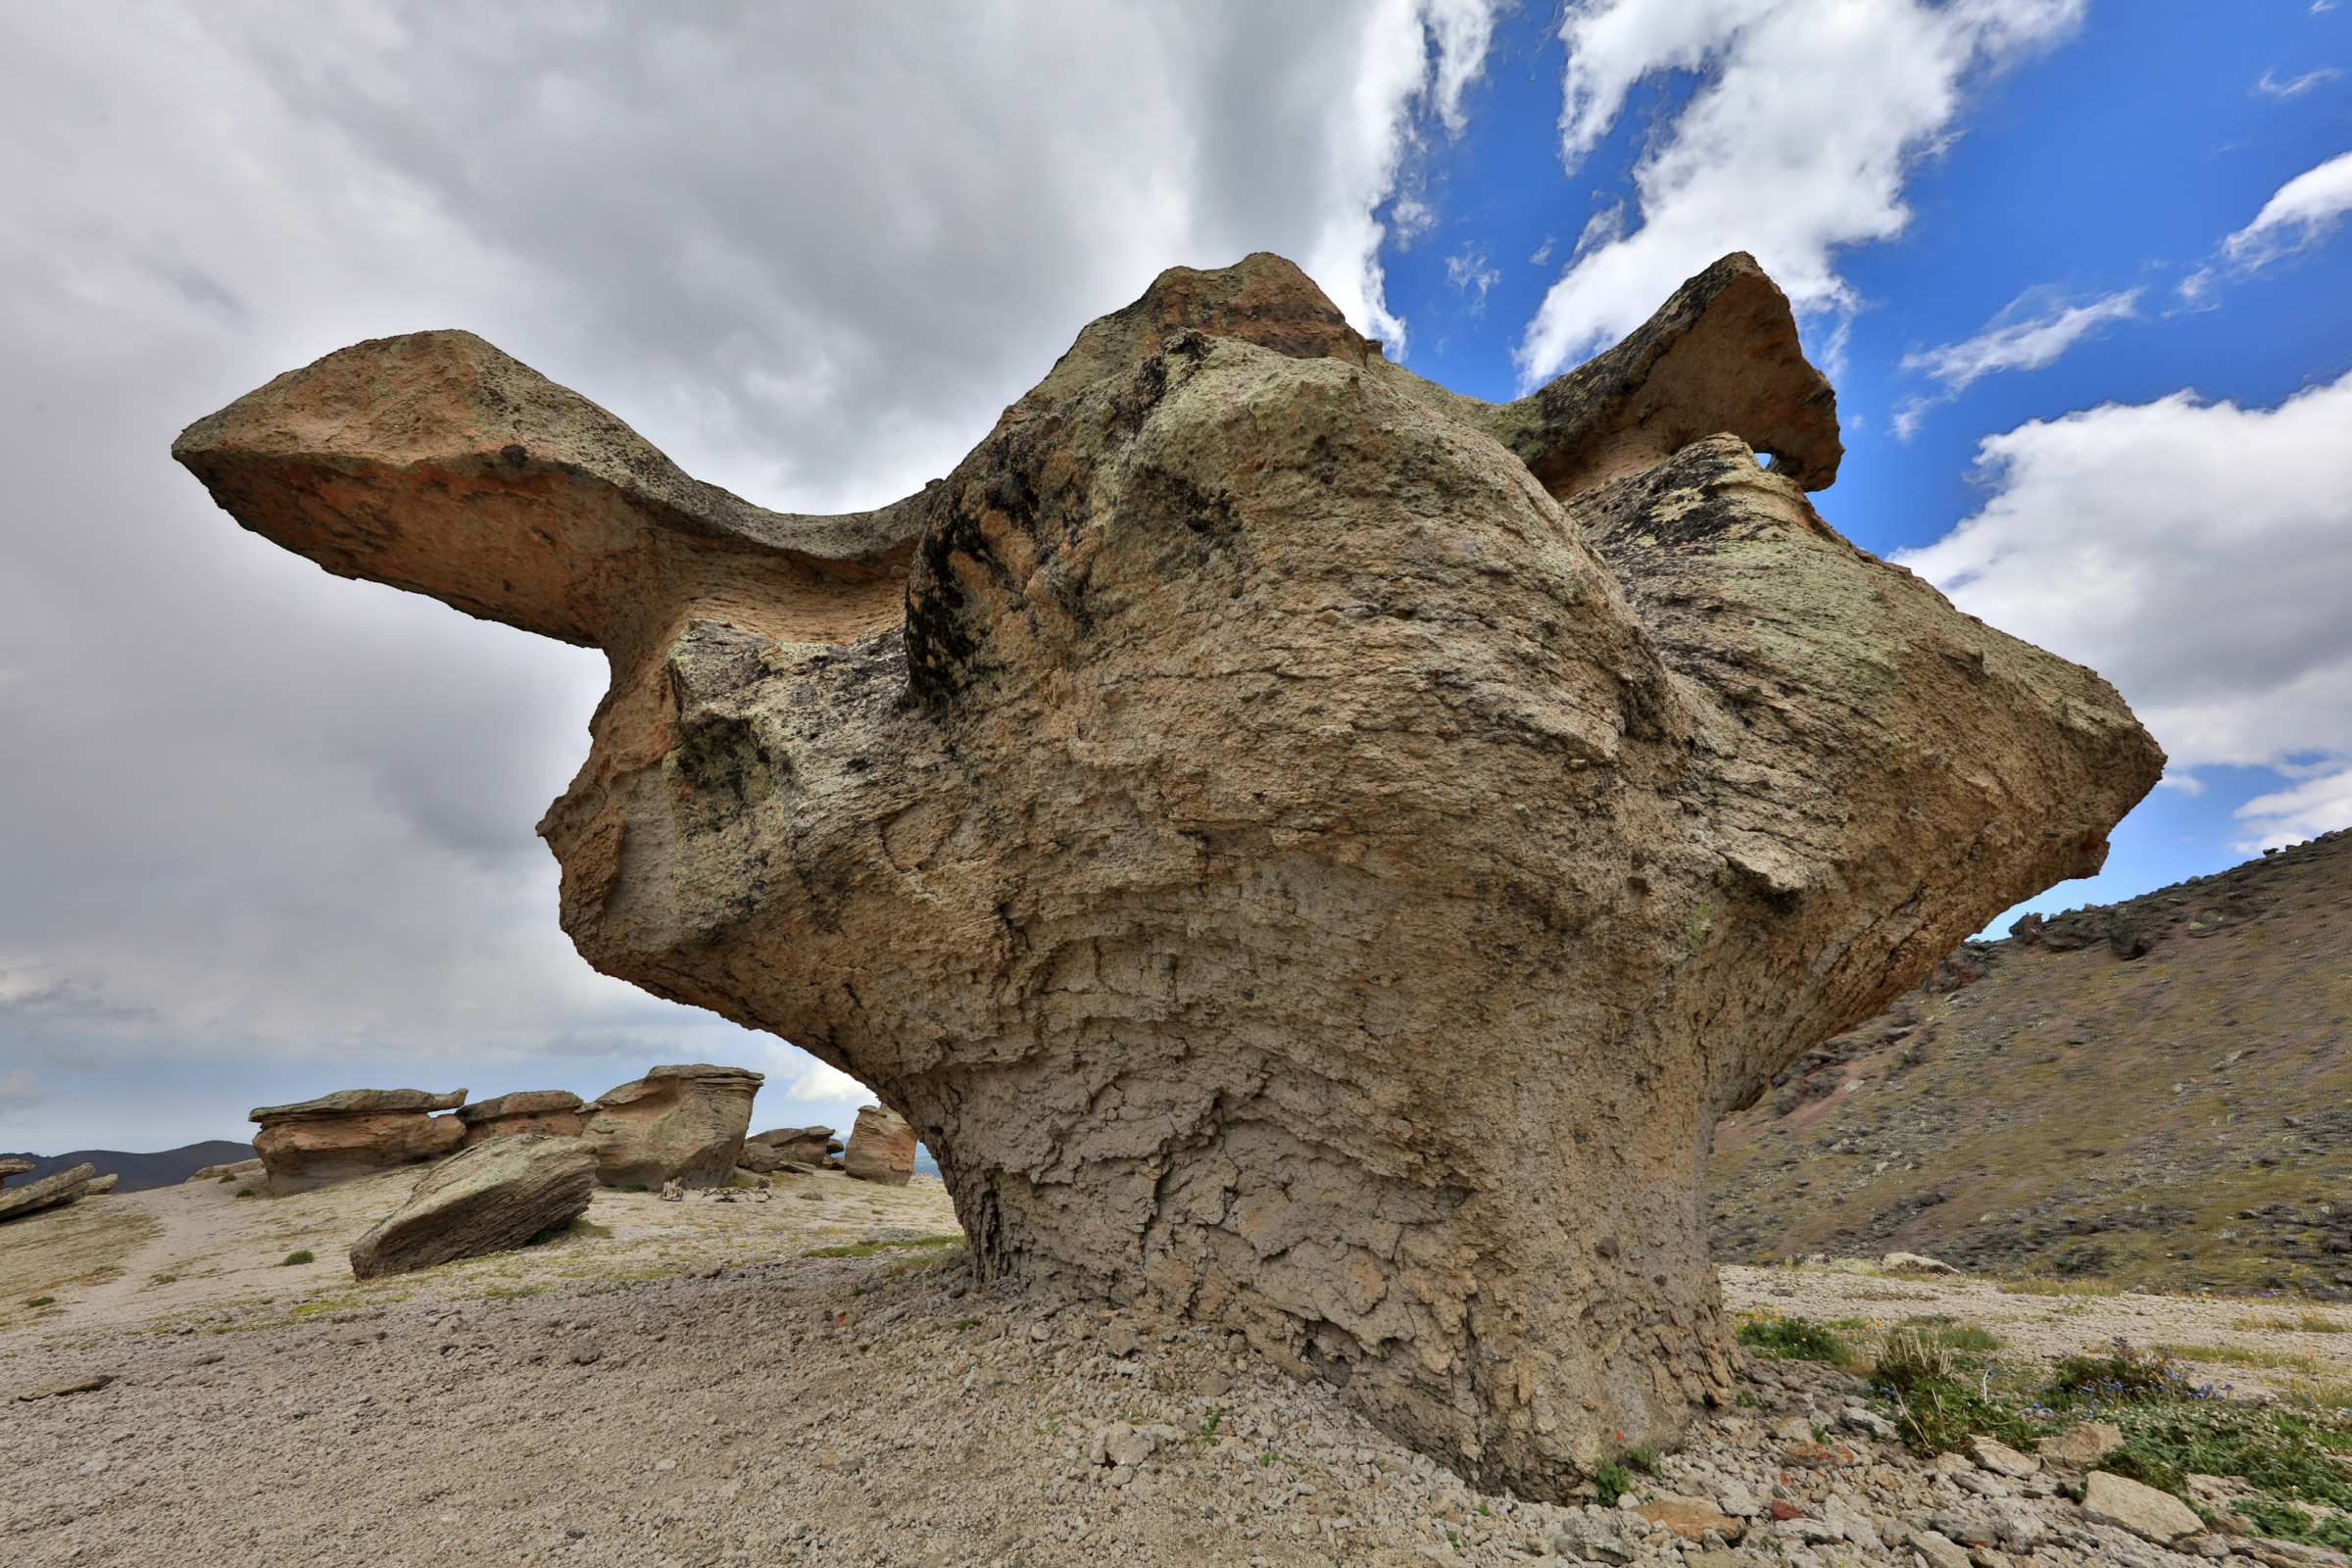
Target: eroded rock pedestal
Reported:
point(1302, 847)
point(354, 1132)
point(679, 1123)
point(881, 1147)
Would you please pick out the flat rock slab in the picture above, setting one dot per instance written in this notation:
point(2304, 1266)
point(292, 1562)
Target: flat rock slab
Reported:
point(494, 1196)
point(2127, 1504)
point(62, 1188)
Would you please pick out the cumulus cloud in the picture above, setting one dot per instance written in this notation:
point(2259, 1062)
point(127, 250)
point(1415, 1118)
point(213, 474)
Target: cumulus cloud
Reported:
point(267, 829)
point(2017, 339)
point(2199, 555)
point(1807, 119)
point(2303, 212)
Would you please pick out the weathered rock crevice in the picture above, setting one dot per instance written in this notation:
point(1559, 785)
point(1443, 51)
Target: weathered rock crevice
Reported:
point(1300, 846)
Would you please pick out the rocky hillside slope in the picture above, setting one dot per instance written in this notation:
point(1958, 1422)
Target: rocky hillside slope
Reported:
point(2156, 1093)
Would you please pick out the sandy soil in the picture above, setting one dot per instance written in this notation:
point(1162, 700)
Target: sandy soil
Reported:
point(815, 1379)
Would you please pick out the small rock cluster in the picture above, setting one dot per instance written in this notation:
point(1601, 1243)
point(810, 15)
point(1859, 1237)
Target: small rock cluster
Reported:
point(61, 1187)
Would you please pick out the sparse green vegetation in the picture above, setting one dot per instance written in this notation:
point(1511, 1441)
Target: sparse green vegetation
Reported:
point(246, 1192)
point(42, 1300)
point(1940, 1395)
point(1793, 1339)
point(292, 1260)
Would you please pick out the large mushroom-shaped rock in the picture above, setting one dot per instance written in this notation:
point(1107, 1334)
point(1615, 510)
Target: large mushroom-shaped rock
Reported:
point(682, 1124)
point(1300, 846)
point(552, 1113)
point(881, 1147)
point(52, 1190)
point(492, 1195)
point(771, 1151)
point(353, 1132)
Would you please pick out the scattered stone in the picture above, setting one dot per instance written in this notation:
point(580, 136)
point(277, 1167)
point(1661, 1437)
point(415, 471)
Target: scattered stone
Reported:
point(554, 1112)
point(2286, 1554)
point(1941, 1551)
point(2127, 1504)
point(1691, 1518)
point(2084, 1443)
point(1593, 1534)
point(835, 790)
point(494, 1196)
point(1854, 1418)
point(881, 1147)
point(1914, 1263)
point(88, 1385)
point(677, 1123)
point(219, 1173)
point(59, 1187)
point(354, 1132)
point(2001, 1459)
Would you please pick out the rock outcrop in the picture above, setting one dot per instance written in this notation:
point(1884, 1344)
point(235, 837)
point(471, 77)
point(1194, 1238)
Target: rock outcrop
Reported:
point(353, 1132)
point(681, 1123)
point(768, 1152)
point(59, 1187)
point(881, 1147)
point(14, 1167)
point(221, 1173)
point(493, 1196)
point(1303, 847)
point(552, 1113)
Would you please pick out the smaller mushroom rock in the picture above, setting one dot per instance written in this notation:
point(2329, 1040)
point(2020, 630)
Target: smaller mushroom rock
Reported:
point(354, 1132)
point(881, 1147)
point(772, 1151)
point(63, 1187)
point(493, 1196)
point(554, 1112)
point(679, 1123)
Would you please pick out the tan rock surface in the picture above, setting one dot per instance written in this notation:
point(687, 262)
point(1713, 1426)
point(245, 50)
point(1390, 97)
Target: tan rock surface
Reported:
point(552, 1113)
point(353, 1132)
point(2127, 1504)
point(881, 1147)
point(58, 1186)
point(771, 1151)
point(1303, 847)
point(677, 1123)
point(497, 1195)
point(242, 1167)
point(14, 1167)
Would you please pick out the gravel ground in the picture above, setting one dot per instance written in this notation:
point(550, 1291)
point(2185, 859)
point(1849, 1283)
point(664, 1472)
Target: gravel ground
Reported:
point(696, 1390)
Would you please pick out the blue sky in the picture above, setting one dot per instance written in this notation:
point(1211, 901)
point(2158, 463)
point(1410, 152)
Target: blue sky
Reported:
point(2116, 160)
point(2075, 266)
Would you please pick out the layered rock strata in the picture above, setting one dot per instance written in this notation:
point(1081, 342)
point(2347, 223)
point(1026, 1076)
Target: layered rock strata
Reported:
point(353, 1132)
point(494, 1194)
point(1302, 847)
point(881, 1147)
point(551, 1112)
point(679, 1123)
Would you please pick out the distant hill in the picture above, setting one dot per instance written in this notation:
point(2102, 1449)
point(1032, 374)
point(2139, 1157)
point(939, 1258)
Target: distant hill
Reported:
point(2155, 1091)
point(139, 1172)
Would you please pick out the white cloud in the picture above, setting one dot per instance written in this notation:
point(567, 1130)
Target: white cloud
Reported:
point(2270, 86)
point(271, 825)
point(2199, 555)
point(2303, 212)
point(2011, 341)
point(1798, 141)
point(2318, 806)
